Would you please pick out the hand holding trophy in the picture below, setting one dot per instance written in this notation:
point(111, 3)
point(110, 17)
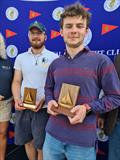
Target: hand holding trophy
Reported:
point(39, 104)
point(67, 99)
point(29, 98)
point(1, 97)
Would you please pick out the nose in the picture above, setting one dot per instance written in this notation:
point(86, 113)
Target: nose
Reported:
point(74, 29)
point(35, 34)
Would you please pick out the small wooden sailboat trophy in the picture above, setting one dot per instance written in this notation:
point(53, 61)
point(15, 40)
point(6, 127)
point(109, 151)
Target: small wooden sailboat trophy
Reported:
point(29, 99)
point(67, 99)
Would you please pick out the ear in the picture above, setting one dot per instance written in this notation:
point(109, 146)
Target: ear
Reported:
point(61, 32)
point(28, 34)
point(45, 37)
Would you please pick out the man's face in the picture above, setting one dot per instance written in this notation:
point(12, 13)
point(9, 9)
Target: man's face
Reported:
point(74, 31)
point(36, 38)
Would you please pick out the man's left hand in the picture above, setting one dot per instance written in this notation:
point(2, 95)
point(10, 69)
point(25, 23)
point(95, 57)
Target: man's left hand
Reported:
point(80, 114)
point(39, 104)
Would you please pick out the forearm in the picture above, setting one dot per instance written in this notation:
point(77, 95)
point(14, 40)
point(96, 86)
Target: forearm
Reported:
point(105, 104)
point(16, 90)
point(110, 85)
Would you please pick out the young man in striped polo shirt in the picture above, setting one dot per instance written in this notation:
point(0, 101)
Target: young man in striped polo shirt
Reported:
point(75, 138)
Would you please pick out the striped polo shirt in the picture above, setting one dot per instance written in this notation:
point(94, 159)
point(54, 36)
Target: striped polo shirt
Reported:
point(92, 72)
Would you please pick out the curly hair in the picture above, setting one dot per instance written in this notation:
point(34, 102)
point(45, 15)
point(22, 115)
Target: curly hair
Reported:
point(73, 10)
point(2, 47)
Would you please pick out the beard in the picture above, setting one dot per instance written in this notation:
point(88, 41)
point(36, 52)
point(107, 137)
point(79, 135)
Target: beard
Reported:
point(37, 44)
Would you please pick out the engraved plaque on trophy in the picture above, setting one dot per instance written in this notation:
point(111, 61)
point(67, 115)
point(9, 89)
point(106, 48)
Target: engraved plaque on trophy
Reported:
point(29, 99)
point(67, 99)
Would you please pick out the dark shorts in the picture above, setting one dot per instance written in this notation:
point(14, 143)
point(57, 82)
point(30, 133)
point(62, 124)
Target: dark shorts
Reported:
point(29, 126)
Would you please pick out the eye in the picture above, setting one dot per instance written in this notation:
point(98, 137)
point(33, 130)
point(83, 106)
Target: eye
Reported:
point(68, 26)
point(80, 26)
point(36, 33)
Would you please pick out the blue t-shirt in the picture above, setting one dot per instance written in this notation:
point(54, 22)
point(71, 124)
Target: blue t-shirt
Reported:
point(6, 75)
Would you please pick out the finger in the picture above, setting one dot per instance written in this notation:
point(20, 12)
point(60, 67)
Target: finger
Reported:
point(37, 109)
point(51, 112)
point(75, 121)
point(55, 104)
point(19, 108)
point(75, 109)
point(79, 117)
point(1, 96)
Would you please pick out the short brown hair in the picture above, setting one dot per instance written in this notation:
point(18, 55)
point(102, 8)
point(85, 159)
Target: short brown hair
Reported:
point(73, 10)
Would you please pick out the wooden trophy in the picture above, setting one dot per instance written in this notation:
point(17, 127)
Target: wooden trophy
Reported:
point(67, 99)
point(29, 99)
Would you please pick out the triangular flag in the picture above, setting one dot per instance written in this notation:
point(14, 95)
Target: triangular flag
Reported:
point(11, 134)
point(107, 28)
point(33, 14)
point(87, 9)
point(10, 33)
point(54, 34)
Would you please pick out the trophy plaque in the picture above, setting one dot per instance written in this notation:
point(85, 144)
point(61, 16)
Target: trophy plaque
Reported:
point(29, 99)
point(67, 99)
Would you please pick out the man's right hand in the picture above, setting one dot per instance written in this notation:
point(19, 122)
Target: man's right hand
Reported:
point(49, 108)
point(19, 105)
point(1, 97)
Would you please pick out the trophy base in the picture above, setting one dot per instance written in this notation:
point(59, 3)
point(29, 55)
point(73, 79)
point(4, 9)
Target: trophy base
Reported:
point(63, 110)
point(29, 106)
